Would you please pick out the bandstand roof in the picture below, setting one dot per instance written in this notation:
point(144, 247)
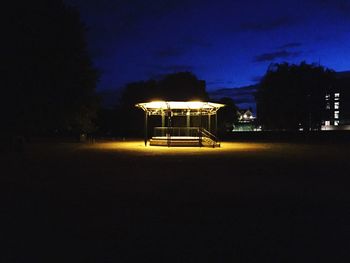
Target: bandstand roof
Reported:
point(156, 107)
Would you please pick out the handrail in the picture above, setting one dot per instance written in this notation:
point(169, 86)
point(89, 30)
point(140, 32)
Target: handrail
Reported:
point(197, 133)
point(183, 131)
point(176, 131)
point(208, 134)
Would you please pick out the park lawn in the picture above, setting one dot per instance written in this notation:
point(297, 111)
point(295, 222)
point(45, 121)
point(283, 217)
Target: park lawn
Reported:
point(123, 202)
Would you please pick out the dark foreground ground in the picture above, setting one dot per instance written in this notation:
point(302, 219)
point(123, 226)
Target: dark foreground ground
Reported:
point(121, 202)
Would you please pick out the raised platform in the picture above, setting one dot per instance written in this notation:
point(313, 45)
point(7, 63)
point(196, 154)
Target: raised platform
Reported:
point(183, 141)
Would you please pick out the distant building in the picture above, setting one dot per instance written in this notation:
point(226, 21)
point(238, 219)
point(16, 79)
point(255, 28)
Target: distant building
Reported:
point(337, 104)
point(245, 116)
point(246, 121)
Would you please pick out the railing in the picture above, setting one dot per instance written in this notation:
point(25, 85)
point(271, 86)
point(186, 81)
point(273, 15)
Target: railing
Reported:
point(197, 133)
point(176, 132)
point(207, 134)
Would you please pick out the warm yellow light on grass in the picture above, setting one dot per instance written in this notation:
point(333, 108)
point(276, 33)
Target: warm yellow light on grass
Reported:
point(138, 148)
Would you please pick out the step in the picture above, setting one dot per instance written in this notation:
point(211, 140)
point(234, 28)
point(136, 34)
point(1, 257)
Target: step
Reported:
point(206, 142)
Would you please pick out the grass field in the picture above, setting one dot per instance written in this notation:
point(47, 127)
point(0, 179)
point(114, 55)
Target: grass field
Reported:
point(123, 202)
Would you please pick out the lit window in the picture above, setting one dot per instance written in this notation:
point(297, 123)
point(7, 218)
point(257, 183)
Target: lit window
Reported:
point(336, 96)
point(336, 105)
point(327, 123)
point(327, 96)
point(336, 115)
point(336, 123)
point(328, 106)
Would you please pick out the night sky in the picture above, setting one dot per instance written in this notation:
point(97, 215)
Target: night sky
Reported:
point(225, 42)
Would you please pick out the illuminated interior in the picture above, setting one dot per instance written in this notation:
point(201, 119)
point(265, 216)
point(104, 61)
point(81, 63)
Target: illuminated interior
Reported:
point(178, 107)
point(182, 123)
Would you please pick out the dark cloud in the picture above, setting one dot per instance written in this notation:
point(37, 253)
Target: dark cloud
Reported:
point(290, 45)
point(169, 52)
point(267, 25)
point(216, 82)
point(243, 97)
point(275, 55)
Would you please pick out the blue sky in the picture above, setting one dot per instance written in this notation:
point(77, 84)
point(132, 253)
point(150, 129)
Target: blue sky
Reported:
point(228, 43)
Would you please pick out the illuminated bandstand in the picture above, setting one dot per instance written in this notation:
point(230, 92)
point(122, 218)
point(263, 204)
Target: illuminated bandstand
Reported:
point(181, 123)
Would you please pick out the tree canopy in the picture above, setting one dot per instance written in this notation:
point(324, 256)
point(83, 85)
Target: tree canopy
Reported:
point(227, 116)
point(180, 86)
point(291, 96)
point(49, 81)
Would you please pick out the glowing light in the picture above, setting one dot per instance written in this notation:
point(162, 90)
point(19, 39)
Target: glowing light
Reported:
point(179, 105)
point(336, 115)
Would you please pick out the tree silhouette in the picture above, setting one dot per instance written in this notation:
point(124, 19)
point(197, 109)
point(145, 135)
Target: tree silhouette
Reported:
point(49, 82)
point(291, 96)
point(227, 116)
point(130, 119)
point(181, 86)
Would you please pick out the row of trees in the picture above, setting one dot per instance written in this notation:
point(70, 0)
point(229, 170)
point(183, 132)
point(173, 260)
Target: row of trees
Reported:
point(48, 81)
point(291, 97)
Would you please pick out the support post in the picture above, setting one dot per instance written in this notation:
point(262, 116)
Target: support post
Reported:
point(188, 122)
point(200, 128)
point(146, 127)
point(163, 124)
point(216, 124)
point(209, 123)
point(169, 128)
point(163, 119)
